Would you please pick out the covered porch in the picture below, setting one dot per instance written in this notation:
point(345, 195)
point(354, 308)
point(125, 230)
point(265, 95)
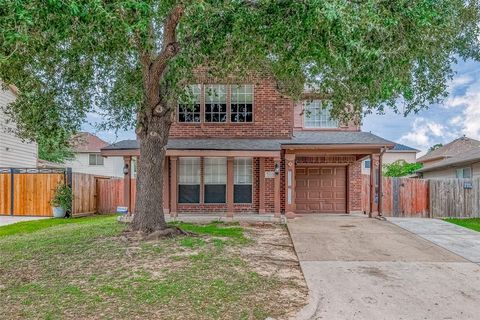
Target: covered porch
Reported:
point(211, 178)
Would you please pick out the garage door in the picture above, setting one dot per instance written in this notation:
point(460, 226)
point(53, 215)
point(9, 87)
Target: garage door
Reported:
point(321, 189)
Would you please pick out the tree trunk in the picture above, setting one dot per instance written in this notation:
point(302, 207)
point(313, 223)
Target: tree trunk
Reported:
point(149, 216)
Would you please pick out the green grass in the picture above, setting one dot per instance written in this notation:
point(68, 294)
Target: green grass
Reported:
point(36, 225)
point(84, 268)
point(471, 223)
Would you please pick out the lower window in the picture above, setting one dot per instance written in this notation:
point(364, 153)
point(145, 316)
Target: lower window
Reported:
point(215, 171)
point(189, 180)
point(242, 189)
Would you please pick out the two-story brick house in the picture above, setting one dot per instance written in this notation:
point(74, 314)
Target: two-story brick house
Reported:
point(243, 147)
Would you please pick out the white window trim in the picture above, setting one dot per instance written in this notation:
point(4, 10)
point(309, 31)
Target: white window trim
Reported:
point(244, 99)
point(97, 156)
point(317, 117)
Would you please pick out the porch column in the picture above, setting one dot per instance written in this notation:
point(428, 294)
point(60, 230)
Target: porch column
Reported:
point(173, 187)
point(290, 185)
point(261, 186)
point(127, 171)
point(230, 178)
point(276, 189)
point(166, 187)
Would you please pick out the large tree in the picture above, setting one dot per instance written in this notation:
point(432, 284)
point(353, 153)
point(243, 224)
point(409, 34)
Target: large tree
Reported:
point(130, 60)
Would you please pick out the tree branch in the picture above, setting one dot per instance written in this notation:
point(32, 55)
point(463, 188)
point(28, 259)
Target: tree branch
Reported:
point(170, 45)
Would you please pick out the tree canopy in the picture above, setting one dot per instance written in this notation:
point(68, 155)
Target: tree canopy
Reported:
point(73, 57)
point(400, 168)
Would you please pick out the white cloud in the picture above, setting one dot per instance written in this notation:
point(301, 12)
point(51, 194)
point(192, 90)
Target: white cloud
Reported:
point(469, 108)
point(424, 133)
point(460, 81)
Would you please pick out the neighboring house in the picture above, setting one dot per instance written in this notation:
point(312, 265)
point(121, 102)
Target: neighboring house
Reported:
point(14, 152)
point(399, 152)
point(244, 147)
point(86, 148)
point(457, 159)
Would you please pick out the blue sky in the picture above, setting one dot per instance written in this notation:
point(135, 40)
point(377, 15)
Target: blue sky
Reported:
point(458, 115)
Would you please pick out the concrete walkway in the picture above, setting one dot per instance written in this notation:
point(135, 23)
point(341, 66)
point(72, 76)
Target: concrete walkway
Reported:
point(5, 220)
point(460, 240)
point(360, 268)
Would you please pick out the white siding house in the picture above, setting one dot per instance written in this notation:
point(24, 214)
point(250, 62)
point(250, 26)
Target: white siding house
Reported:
point(88, 159)
point(13, 151)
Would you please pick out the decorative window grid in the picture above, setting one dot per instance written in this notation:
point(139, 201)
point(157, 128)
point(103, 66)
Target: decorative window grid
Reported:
point(95, 159)
point(325, 159)
point(189, 171)
point(243, 171)
point(189, 111)
point(241, 103)
point(317, 115)
point(215, 170)
point(216, 103)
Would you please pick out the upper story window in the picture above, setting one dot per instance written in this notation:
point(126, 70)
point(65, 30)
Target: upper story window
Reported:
point(216, 103)
point(241, 103)
point(189, 110)
point(317, 115)
point(95, 159)
point(464, 173)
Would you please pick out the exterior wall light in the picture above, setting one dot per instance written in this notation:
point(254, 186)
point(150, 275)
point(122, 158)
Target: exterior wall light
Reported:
point(277, 169)
point(125, 169)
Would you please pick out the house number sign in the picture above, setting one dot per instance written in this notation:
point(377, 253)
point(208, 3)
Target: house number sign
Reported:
point(269, 174)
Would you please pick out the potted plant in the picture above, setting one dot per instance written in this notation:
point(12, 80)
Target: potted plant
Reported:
point(61, 201)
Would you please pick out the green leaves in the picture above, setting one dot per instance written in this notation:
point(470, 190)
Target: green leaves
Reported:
point(401, 168)
point(81, 56)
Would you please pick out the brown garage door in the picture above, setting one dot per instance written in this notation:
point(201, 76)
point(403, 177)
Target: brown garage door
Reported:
point(321, 189)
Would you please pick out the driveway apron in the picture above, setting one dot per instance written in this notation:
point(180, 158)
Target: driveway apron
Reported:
point(360, 268)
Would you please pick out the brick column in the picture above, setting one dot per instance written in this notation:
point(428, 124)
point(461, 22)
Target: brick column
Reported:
point(276, 197)
point(261, 186)
point(230, 178)
point(173, 186)
point(127, 167)
point(290, 185)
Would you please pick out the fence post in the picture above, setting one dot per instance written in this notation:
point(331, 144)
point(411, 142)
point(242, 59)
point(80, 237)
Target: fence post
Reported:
point(12, 190)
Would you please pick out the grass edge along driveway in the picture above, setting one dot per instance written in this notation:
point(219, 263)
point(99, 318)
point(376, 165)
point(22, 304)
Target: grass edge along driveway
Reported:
point(470, 223)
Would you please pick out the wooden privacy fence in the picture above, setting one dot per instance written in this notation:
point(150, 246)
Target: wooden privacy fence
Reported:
point(27, 192)
point(455, 198)
point(110, 195)
point(402, 197)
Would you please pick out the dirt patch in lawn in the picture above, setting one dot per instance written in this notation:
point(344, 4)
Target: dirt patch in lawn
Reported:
point(92, 271)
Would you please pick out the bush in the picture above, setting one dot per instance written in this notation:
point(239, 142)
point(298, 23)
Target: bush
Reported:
point(63, 197)
point(400, 168)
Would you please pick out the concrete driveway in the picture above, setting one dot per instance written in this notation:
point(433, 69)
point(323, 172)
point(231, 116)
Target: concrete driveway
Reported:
point(5, 220)
point(360, 268)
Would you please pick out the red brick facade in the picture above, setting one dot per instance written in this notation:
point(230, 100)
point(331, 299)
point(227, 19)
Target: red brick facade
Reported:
point(274, 116)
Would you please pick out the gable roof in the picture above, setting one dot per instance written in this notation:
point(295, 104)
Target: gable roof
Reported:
point(398, 147)
point(451, 149)
point(299, 138)
point(85, 142)
point(465, 158)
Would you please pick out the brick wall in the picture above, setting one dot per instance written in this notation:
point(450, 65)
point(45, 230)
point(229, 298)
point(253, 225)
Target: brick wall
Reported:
point(355, 187)
point(272, 117)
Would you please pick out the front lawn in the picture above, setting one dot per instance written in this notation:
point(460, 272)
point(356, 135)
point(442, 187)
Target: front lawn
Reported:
point(471, 223)
point(87, 268)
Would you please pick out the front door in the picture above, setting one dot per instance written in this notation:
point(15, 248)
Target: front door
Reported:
point(321, 189)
